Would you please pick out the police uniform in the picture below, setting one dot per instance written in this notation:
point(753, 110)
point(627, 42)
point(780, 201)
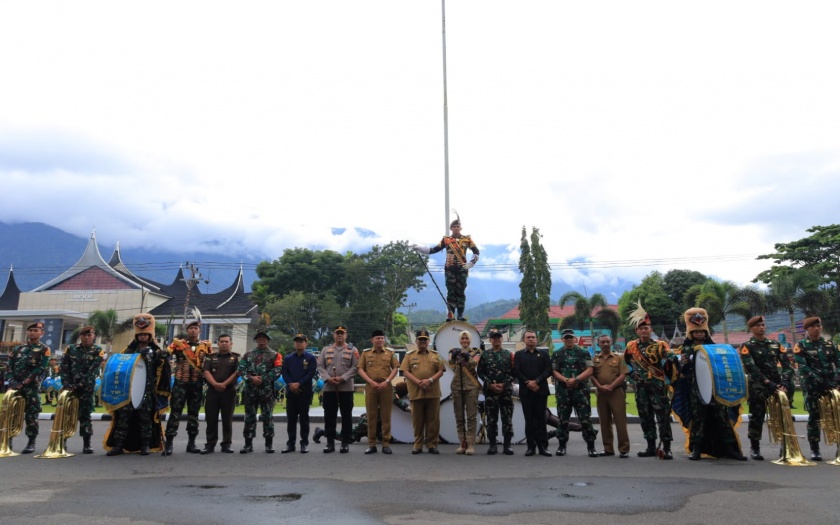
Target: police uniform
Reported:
point(221, 367)
point(425, 404)
point(612, 407)
point(27, 364)
point(79, 370)
point(378, 365)
point(342, 362)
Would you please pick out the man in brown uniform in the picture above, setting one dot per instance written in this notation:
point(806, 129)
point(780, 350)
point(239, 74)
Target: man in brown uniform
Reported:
point(423, 368)
point(378, 366)
point(608, 378)
point(220, 372)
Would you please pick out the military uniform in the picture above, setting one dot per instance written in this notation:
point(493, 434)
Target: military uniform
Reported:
point(465, 390)
point(188, 389)
point(334, 361)
point(650, 363)
point(299, 369)
point(819, 364)
point(612, 407)
point(456, 269)
point(571, 362)
point(79, 370)
point(221, 367)
point(27, 364)
point(497, 367)
point(267, 364)
point(378, 364)
point(761, 360)
point(425, 404)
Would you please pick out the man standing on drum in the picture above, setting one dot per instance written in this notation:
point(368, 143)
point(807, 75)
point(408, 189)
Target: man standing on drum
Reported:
point(299, 369)
point(79, 370)
point(189, 357)
point(423, 369)
point(532, 367)
point(762, 359)
point(495, 369)
point(259, 368)
point(377, 367)
point(337, 366)
point(220, 371)
point(649, 363)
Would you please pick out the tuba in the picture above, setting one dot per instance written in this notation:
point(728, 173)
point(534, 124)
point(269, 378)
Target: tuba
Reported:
point(63, 427)
point(11, 420)
point(781, 430)
point(830, 421)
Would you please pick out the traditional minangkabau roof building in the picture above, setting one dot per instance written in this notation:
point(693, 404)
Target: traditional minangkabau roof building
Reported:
point(65, 302)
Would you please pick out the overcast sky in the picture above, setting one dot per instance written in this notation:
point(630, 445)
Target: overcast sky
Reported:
point(698, 133)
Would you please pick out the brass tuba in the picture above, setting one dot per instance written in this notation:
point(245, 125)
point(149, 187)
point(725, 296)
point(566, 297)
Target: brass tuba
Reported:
point(63, 427)
point(830, 421)
point(781, 430)
point(11, 420)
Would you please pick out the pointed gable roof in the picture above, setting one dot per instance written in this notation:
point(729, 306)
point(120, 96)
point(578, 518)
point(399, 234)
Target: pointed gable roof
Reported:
point(11, 294)
point(102, 274)
point(117, 264)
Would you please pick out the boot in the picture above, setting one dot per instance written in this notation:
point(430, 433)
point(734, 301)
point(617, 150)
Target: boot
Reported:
point(666, 450)
point(755, 450)
point(543, 450)
point(167, 448)
point(269, 448)
point(87, 448)
point(191, 448)
point(30, 447)
point(695, 454)
point(144, 448)
point(650, 451)
point(116, 450)
point(733, 452)
point(470, 447)
point(208, 449)
point(462, 448)
point(492, 450)
point(319, 433)
point(815, 451)
point(507, 450)
point(561, 449)
point(590, 449)
point(249, 446)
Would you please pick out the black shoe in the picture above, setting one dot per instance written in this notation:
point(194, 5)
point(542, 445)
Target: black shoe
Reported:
point(387, 450)
point(269, 447)
point(329, 449)
point(492, 450)
point(544, 452)
point(30, 447)
point(167, 448)
point(530, 452)
point(590, 449)
point(319, 433)
point(561, 450)
point(434, 451)
point(87, 448)
point(226, 449)
point(506, 450)
point(695, 454)
point(370, 450)
point(248, 448)
point(815, 453)
point(304, 449)
point(416, 451)
point(207, 450)
point(289, 448)
point(625, 455)
point(345, 448)
point(755, 450)
point(116, 450)
point(191, 448)
point(605, 453)
point(462, 318)
point(144, 448)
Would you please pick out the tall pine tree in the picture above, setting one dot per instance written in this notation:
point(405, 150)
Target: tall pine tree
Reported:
point(535, 286)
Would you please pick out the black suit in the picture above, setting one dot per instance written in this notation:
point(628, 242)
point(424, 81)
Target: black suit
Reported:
point(535, 365)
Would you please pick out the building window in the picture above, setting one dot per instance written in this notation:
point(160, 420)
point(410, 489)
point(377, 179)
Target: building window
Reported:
point(219, 329)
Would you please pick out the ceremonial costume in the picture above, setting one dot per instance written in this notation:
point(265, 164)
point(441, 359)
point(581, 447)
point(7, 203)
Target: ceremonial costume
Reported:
point(710, 427)
point(221, 368)
point(465, 390)
point(495, 366)
point(299, 367)
point(140, 429)
point(266, 364)
point(337, 366)
point(532, 364)
point(188, 369)
point(378, 365)
point(573, 363)
point(767, 364)
point(27, 364)
point(819, 368)
point(423, 367)
point(79, 370)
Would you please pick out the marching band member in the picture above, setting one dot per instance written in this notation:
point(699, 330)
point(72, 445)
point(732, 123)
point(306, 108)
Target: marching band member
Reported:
point(188, 389)
point(79, 370)
point(27, 363)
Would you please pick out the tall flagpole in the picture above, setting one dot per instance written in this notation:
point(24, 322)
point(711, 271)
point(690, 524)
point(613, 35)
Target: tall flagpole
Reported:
point(445, 123)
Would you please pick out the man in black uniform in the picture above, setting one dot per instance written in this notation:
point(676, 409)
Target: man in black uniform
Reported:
point(220, 372)
point(299, 370)
point(533, 367)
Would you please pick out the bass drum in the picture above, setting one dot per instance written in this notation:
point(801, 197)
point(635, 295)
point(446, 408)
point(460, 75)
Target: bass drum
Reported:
point(445, 339)
point(448, 426)
point(720, 375)
point(402, 429)
point(518, 422)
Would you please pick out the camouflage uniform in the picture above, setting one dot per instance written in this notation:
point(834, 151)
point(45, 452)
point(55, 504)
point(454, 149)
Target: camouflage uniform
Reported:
point(79, 370)
point(819, 365)
point(454, 270)
point(4, 367)
point(497, 367)
point(650, 363)
point(761, 360)
point(571, 362)
point(188, 389)
point(268, 365)
point(29, 361)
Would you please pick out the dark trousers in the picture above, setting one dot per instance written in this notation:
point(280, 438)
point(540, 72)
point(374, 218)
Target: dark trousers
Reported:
point(534, 407)
point(333, 402)
point(217, 402)
point(297, 407)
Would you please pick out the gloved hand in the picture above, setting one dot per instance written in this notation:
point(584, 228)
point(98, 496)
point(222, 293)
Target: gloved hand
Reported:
point(771, 385)
point(15, 385)
point(421, 249)
point(469, 265)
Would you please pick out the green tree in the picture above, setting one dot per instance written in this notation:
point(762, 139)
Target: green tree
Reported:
point(676, 283)
point(651, 292)
point(798, 289)
point(819, 253)
point(107, 326)
point(720, 299)
point(304, 270)
point(587, 310)
point(535, 286)
point(305, 313)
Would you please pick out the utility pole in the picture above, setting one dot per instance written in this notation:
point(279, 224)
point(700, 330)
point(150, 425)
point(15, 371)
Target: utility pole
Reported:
point(191, 280)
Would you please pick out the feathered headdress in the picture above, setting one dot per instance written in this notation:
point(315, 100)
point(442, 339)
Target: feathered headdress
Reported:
point(639, 316)
point(457, 221)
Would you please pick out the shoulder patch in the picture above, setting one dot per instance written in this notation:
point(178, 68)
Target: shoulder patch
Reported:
point(745, 350)
point(796, 349)
point(782, 349)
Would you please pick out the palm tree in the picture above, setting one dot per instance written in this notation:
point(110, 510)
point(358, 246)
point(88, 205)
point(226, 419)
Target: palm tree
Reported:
point(587, 310)
point(721, 299)
point(107, 326)
point(798, 289)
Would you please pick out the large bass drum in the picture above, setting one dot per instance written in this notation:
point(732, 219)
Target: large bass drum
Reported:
point(720, 375)
point(445, 339)
point(124, 381)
